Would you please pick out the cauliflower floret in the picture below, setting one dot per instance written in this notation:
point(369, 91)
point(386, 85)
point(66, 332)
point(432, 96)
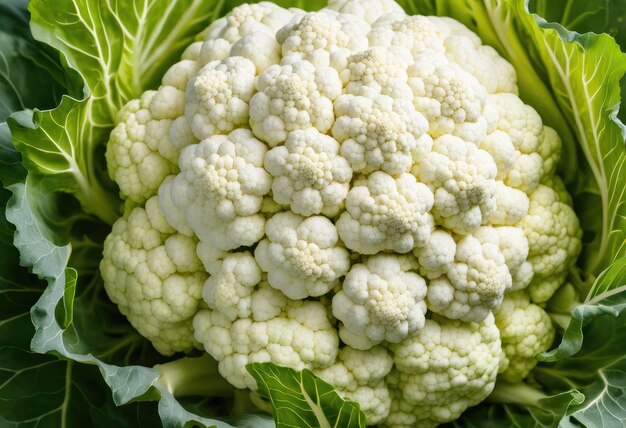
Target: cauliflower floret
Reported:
point(445, 93)
point(230, 288)
point(293, 96)
point(155, 278)
point(445, 368)
point(475, 283)
point(416, 33)
point(549, 149)
point(309, 175)
point(378, 134)
point(514, 247)
point(301, 256)
point(360, 376)
point(367, 10)
point(324, 38)
point(554, 240)
point(523, 125)
point(247, 21)
point(511, 205)
point(379, 71)
point(292, 333)
point(380, 300)
point(220, 189)
point(493, 72)
point(462, 177)
point(526, 331)
point(218, 96)
point(140, 153)
point(437, 255)
point(386, 213)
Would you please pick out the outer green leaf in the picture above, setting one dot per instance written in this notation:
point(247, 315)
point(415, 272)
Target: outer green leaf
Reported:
point(61, 146)
point(41, 390)
point(301, 399)
point(606, 298)
point(30, 72)
point(598, 16)
point(119, 47)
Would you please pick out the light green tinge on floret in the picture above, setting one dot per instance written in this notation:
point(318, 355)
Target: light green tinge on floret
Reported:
point(153, 275)
point(444, 369)
point(525, 331)
point(554, 238)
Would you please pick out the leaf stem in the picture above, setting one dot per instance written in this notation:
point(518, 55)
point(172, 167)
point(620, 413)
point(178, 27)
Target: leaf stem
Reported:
point(187, 377)
point(516, 393)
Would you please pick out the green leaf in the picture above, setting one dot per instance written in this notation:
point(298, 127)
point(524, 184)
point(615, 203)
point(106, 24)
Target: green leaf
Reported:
point(598, 16)
point(41, 390)
point(301, 399)
point(60, 145)
point(119, 49)
point(25, 63)
point(606, 298)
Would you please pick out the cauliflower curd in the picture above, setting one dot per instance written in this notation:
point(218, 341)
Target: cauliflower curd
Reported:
point(354, 191)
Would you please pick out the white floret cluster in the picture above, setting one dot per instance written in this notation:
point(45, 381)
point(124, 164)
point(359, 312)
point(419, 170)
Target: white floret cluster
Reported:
point(355, 191)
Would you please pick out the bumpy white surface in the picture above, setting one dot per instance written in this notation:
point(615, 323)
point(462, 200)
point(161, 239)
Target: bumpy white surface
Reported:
point(445, 368)
point(383, 213)
point(309, 174)
point(301, 255)
point(380, 300)
point(154, 276)
point(356, 159)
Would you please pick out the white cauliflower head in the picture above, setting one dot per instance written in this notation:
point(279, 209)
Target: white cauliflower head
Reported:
point(354, 191)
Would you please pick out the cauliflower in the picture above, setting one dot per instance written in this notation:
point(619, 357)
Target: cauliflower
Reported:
point(354, 191)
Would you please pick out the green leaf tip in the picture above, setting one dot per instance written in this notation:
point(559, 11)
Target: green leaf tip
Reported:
point(301, 399)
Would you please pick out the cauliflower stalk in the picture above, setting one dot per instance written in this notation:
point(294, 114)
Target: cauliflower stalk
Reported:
point(354, 191)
